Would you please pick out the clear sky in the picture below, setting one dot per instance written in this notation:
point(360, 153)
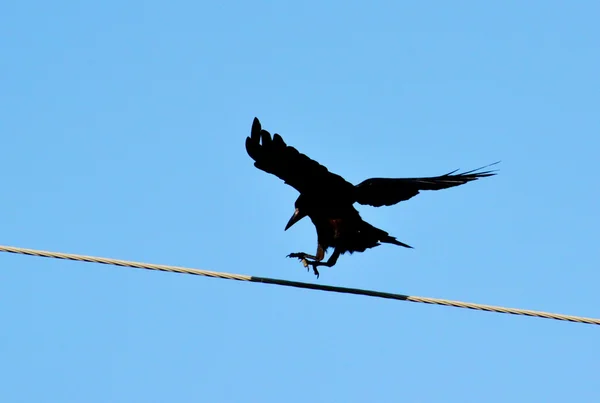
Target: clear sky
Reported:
point(122, 135)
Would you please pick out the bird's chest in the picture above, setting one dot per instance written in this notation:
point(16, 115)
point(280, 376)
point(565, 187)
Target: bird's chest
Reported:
point(337, 227)
point(331, 230)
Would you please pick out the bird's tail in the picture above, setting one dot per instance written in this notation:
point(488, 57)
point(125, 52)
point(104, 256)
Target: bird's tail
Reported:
point(373, 236)
point(392, 240)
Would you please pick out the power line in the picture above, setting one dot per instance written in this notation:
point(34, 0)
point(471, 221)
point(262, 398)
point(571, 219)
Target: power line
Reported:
point(297, 284)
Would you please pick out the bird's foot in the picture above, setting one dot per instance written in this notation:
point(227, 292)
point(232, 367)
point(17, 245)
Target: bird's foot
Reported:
point(299, 255)
point(314, 265)
point(303, 257)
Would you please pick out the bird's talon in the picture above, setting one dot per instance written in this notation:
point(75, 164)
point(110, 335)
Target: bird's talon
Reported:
point(304, 259)
point(316, 271)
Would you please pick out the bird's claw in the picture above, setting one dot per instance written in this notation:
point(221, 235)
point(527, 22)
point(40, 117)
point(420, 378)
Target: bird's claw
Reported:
point(305, 262)
point(315, 270)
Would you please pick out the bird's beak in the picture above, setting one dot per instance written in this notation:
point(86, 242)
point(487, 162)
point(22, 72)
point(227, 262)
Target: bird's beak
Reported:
point(297, 216)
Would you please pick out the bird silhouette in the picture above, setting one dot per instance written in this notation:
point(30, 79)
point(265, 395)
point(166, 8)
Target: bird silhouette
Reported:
point(328, 199)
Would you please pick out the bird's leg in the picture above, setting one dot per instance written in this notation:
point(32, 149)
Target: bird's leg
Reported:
point(330, 262)
point(315, 258)
point(316, 263)
point(302, 256)
point(304, 259)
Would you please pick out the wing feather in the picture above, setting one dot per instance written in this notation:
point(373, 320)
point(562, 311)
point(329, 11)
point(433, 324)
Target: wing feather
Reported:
point(388, 191)
point(274, 156)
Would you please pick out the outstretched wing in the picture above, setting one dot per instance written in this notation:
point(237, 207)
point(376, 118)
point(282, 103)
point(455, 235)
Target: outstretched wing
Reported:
point(272, 155)
point(385, 192)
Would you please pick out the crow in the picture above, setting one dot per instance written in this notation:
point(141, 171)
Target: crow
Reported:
point(328, 199)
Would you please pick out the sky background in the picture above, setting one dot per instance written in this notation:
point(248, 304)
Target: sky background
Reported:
point(122, 131)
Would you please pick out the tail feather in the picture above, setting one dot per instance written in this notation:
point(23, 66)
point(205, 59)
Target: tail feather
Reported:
point(373, 236)
point(392, 240)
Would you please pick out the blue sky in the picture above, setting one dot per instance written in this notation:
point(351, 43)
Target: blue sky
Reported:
point(123, 128)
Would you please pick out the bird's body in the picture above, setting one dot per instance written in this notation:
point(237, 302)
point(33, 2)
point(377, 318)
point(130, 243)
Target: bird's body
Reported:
point(339, 225)
point(328, 199)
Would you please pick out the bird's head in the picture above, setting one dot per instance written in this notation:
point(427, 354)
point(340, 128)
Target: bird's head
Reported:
point(299, 212)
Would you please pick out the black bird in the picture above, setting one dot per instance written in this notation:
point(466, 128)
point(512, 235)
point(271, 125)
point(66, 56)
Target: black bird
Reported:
point(327, 199)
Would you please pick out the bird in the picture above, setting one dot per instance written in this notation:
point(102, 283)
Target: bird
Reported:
point(328, 199)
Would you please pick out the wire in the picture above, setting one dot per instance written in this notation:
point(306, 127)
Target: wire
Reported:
point(297, 284)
